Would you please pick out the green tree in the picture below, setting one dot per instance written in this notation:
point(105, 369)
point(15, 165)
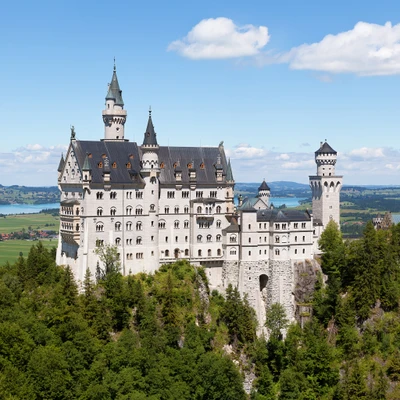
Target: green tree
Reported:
point(276, 320)
point(109, 257)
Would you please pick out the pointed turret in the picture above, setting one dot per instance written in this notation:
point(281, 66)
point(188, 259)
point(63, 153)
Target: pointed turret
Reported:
point(61, 164)
point(264, 192)
point(114, 116)
point(87, 169)
point(150, 136)
point(114, 91)
point(86, 164)
point(150, 148)
point(229, 174)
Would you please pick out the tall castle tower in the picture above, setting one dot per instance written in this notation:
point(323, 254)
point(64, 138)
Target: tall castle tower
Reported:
point(325, 187)
point(114, 115)
point(150, 172)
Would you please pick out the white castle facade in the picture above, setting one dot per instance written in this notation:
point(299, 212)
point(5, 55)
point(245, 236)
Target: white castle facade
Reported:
point(159, 204)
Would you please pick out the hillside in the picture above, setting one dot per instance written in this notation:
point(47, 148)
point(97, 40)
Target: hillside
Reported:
point(165, 336)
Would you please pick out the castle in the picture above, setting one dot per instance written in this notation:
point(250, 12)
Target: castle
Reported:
point(157, 204)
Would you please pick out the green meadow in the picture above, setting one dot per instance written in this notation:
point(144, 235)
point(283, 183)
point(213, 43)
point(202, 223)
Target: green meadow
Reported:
point(10, 249)
point(18, 222)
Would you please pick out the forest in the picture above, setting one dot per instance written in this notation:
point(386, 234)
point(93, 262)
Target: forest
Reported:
point(165, 336)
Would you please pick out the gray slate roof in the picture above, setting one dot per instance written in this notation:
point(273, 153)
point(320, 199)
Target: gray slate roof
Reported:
point(325, 149)
point(285, 215)
point(199, 157)
point(150, 136)
point(124, 152)
point(61, 164)
point(263, 186)
point(114, 92)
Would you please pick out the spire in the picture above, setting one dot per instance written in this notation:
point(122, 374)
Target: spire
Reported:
point(61, 164)
point(263, 186)
point(229, 175)
point(150, 136)
point(325, 148)
point(86, 164)
point(114, 92)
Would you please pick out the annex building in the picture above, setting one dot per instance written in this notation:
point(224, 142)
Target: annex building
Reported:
point(159, 204)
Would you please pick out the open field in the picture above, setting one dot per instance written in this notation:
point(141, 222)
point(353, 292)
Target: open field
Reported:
point(15, 223)
point(10, 249)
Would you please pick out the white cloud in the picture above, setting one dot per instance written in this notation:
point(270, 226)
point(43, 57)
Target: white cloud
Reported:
point(283, 156)
point(367, 152)
point(217, 38)
point(244, 151)
point(303, 165)
point(367, 49)
point(31, 165)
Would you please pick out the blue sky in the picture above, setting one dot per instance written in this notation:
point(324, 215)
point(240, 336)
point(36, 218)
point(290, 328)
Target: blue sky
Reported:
point(270, 79)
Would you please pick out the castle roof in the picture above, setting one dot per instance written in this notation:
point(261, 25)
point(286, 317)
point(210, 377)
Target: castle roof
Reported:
point(229, 174)
point(285, 215)
point(124, 161)
point(150, 136)
point(61, 164)
point(86, 164)
point(325, 149)
point(114, 92)
point(263, 186)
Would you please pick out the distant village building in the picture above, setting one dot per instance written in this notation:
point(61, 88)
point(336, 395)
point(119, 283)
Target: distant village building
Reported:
point(386, 221)
point(158, 204)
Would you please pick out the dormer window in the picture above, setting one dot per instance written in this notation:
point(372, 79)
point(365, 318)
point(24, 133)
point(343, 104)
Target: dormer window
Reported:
point(202, 165)
point(104, 156)
point(162, 165)
point(100, 164)
point(190, 165)
point(114, 165)
point(128, 165)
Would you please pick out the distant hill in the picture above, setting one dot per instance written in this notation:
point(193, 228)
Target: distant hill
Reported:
point(278, 189)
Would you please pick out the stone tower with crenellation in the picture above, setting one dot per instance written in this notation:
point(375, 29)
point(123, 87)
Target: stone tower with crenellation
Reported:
point(325, 188)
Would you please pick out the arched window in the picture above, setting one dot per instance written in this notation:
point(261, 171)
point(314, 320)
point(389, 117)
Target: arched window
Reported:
point(139, 210)
point(118, 226)
point(129, 226)
point(152, 207)
point(99, 227)
point(199, 253)
point(113, 211)
point(186, 252)
point(277, 239)
point(138, 240)
point(209, 238)
point(219, 223)
point(218, 238)
point(199, 210)
point(139, 226)
point(161, 224)
point(209, 252)
point(277, 252)
point(118, 241)
point(99, 211)
point(166, 253)
point(186, 224)
point(218, 209)
point(77, 227)
point(218, 252)
point(199, 238)
point(129, 210)
point(176, 210)
point(233, 252)
point(232, 239)
point(176, 224)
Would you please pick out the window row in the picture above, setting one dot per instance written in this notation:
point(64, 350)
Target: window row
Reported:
point(208, 238)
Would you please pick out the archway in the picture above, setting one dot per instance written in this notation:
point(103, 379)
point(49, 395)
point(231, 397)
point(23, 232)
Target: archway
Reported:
point(176, 253)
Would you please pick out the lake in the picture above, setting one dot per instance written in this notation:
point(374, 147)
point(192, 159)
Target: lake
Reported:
point(25, 208)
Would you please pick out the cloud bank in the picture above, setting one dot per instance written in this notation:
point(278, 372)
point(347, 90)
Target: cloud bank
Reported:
point(220, 38)
point(367, 49)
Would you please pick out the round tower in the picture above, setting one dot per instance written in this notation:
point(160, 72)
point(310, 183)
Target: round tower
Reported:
point(114, 115)
point(325, 187)
point(150, 172)
point(264, 192)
